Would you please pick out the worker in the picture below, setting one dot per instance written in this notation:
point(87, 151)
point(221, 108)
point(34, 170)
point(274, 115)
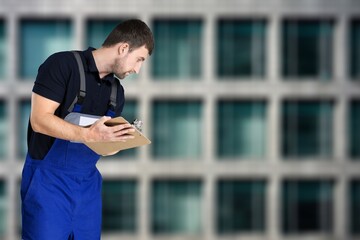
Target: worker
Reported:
point(61, 186)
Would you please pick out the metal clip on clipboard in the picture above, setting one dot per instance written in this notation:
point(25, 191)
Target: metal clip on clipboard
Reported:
point(137, 124)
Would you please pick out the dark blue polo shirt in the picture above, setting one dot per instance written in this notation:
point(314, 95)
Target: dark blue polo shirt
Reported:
point(58, 79)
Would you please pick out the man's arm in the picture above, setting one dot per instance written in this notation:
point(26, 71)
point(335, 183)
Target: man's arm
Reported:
point(44, 121)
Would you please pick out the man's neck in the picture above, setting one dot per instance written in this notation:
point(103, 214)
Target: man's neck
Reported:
point(101, 58)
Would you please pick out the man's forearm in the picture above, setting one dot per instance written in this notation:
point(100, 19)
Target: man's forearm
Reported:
point(56, 127)
point(43, 120)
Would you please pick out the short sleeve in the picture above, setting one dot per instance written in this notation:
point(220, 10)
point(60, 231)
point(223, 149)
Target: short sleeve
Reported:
point(53, 76)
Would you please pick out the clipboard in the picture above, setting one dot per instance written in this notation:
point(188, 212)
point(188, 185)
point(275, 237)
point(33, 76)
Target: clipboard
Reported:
point(106, 148)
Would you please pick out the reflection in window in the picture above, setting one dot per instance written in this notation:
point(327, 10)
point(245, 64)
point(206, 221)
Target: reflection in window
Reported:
point(354, 129)
point(177, 129)
point(241, 129)
point(3, 50)
point(3, 130)
point(241, 206)
point(307, 206)
point(307, 49)
point(130, 113)
point(307, 129)
point(39, 39)
point(119, 206)
point(178, 49)
point(354, 207)
point(241, 48)
point(25, 108)
point(354, 52)
point(176, 207)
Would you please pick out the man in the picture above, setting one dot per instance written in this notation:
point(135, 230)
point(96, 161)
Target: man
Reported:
point(61, 186)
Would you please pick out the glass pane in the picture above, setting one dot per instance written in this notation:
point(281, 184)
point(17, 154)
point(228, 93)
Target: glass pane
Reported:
point(98, 30)
point(354, 130)
point(130, 113)
point(241, 48)
point(355, 207)
point(176, 207)
point(241, 206)
point(4, 126)
point(25, 109)
point(178, 49)
point(119, 206)
point(18, 216)
point(3, 50)
point(308, 206)
point(307, 129)
point(39, 39)
point(354, 52)
point(307, 48)
point(3, 207)
point(177, 129)
point(242, 129)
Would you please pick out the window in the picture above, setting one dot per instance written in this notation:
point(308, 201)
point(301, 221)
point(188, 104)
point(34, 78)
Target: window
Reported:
point(241, 48)
point(177, 129)
point(307, 49)
point(176, 207)
point(307, 129)
point(307, 206)
point(24, 115)
point(4, 126)
point(354, 129)
point(38, 40)
point(98, 30)
point(130, 113)
point(354, 52)
point(178, 49)
point(241, 128)
point(240, 206)
point(3, 209)
point(119, 206)
point(3, 50)
point(354, 207)
point(18, 214)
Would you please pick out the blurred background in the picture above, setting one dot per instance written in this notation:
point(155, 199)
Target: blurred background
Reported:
point(252, 106)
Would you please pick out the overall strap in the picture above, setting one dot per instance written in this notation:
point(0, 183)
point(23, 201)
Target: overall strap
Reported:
point(76, 105)
point(112, 102)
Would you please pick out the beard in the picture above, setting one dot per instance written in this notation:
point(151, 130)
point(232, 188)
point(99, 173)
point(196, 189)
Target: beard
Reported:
point(118, 69)
point(120, 76)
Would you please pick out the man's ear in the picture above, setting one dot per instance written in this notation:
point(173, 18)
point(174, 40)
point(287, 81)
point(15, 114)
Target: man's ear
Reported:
point(123, 48)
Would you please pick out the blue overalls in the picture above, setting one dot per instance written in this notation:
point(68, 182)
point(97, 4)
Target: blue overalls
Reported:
point(61, 194)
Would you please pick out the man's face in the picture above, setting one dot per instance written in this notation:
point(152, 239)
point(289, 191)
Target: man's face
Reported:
point(129, 62)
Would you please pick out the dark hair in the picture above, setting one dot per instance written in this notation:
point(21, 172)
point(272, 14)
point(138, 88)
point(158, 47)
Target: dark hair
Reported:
point(134, 32)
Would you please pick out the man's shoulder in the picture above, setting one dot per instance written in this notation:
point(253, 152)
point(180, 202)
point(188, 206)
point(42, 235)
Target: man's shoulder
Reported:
point(59, 60)
point(59, 56)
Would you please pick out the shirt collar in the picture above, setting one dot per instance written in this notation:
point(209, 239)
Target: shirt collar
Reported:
point(90, 61)
point(91, 66)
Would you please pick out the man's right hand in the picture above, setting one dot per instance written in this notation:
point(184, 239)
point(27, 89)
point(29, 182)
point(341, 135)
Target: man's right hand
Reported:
point(99, 132)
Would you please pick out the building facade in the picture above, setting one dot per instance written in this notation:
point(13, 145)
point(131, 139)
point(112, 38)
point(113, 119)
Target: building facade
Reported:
point(253, 109)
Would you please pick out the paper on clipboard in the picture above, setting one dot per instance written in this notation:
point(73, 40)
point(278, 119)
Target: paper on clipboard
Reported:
point(106, 148)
